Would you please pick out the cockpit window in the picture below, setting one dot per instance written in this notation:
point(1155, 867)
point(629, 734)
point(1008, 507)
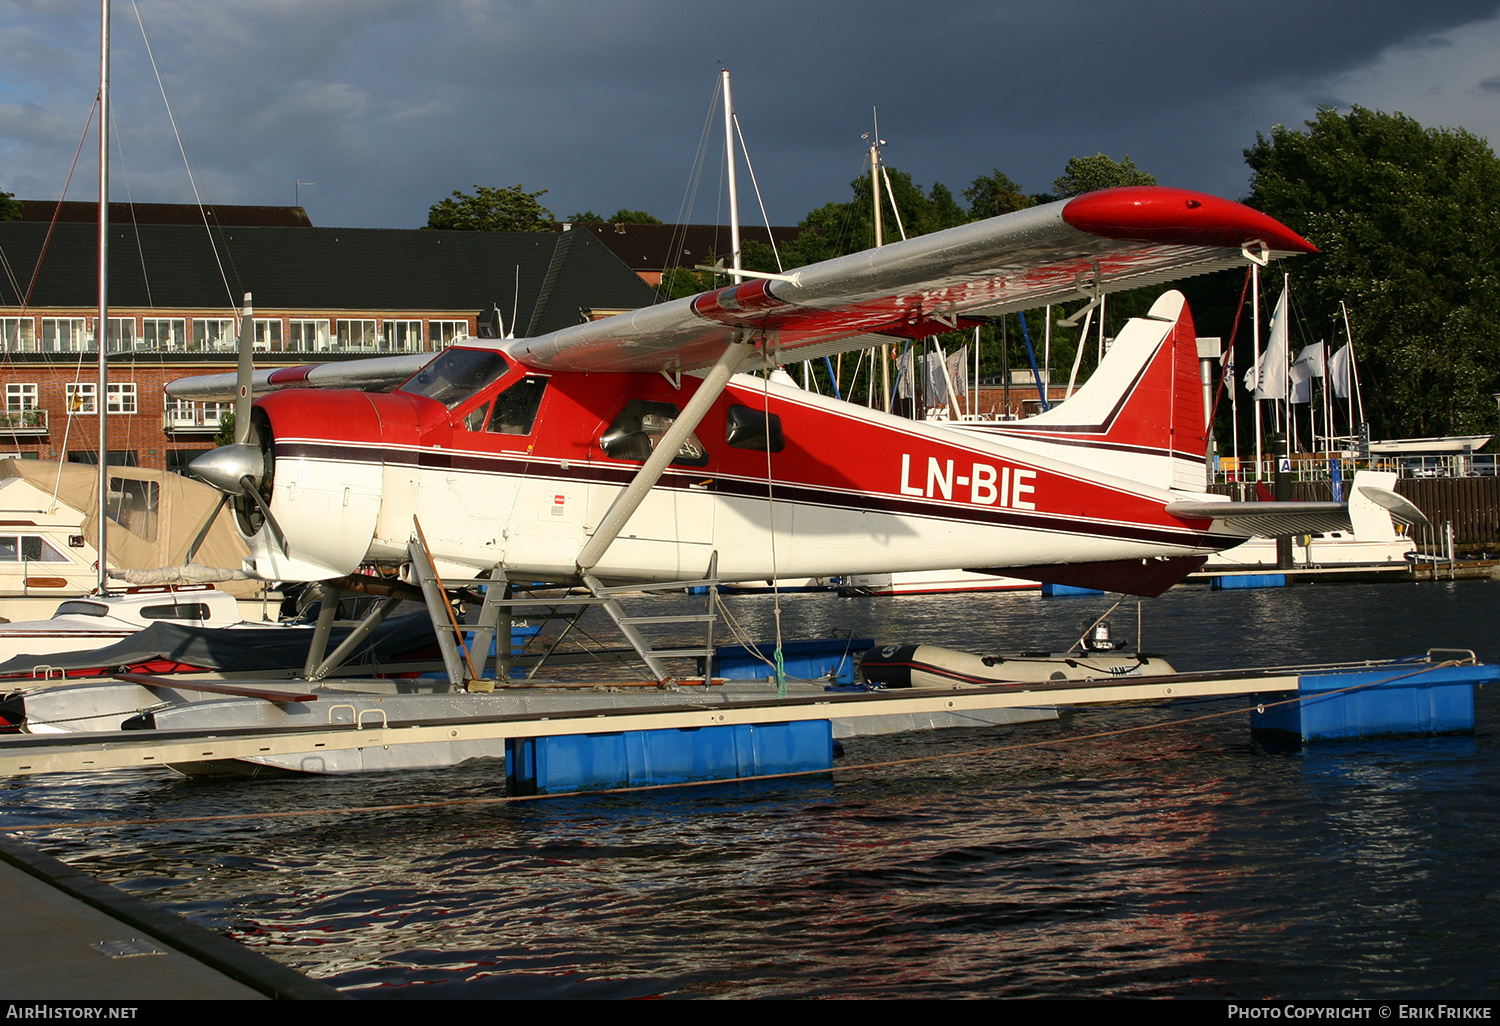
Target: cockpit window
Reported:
point(457, 374)
point(635, 433)
point(515, 408)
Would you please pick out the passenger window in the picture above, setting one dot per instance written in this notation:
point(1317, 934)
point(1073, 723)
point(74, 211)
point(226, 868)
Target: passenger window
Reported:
point(745, 428)
point(639, 427)
point(8, 548)
point(516, 407)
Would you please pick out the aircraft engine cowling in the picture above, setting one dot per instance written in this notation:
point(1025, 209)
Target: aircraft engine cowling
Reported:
point(321, 484)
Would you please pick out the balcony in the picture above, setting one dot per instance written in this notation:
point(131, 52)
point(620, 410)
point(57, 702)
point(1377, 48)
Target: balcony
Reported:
point(23, 422)
point(190, 422)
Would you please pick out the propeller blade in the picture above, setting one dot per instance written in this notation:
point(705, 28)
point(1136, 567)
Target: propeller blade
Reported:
point(203, 532)
point(265, 510)
point(242, 399)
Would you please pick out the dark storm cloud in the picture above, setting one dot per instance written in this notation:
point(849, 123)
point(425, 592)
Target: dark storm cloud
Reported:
point(388, 105)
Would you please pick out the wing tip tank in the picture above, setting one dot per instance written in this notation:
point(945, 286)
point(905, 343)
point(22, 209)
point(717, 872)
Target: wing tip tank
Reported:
point(1155, 213)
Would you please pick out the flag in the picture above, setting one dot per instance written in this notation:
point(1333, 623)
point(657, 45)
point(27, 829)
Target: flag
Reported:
point(1270, 382)
point(958, 370)
point(1338, 372)
point(903, 374)
point(1336, 478)
point(935, 388)
point(1308, 365)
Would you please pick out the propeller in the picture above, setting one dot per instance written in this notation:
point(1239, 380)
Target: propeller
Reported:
point(238, 469)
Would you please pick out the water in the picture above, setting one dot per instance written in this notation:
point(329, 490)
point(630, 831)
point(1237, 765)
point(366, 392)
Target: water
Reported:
point(1182, 860)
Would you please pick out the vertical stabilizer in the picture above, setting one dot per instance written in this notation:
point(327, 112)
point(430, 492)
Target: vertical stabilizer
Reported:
point(1140, 416)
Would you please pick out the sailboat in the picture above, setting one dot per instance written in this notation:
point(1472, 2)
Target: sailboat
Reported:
point(57, 540)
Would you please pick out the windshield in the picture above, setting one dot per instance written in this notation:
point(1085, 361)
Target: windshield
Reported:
point(456, 375)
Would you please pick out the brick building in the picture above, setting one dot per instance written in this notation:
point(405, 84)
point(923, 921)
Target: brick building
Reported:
point(319, 294)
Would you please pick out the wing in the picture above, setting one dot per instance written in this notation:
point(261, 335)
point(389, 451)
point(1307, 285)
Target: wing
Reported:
point(1080, 248)
point(375, 374)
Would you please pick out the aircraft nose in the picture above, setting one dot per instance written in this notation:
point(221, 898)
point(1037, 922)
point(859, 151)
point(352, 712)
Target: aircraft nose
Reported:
point(226, 467)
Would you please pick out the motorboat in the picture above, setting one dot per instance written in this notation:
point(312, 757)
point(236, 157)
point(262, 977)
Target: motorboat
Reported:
point(91, 622)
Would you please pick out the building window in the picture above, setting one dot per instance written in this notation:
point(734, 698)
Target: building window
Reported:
point(81, 396)
point(121, 334)
point(64, 335)
point(164, 333)
point(403, 336)
point(267, 336)
point(445, 333)
point(214, 333)
point(22, 414)
point(121, 397)
point(20, 397)
point(117, 457)
point(18, 334)
point(356, 334)
point(308, 336)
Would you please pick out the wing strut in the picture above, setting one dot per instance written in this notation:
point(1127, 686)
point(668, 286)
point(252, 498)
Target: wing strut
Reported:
point(651, 471)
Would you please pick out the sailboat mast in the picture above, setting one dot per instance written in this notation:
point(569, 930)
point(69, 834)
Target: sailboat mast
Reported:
point(101, 326)
point(734, 192)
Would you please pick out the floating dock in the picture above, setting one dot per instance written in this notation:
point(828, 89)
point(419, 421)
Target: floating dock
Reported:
point(329, 731)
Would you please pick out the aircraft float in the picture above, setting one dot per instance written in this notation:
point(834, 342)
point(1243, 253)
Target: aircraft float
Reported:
point(630, 449)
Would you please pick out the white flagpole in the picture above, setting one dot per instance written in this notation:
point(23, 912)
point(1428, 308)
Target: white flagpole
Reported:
point(1255, 329)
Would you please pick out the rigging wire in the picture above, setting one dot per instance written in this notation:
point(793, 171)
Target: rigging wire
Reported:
point(182, 149)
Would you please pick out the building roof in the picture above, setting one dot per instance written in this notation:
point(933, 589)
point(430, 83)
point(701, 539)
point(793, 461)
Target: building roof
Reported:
point(656, 247)
point(165, 266)
point(231, 216)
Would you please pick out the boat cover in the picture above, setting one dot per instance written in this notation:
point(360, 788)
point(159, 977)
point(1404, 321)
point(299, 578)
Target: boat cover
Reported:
point(167, 648)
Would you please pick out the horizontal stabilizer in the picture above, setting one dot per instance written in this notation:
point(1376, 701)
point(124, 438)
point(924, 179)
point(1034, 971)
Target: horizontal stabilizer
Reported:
point(1401, 510)
point(1268, 519)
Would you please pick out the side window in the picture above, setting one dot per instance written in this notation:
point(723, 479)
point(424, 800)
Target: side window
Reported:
point(745, 428)
point(40, 550)
point(176, 611)
point(475, 420)
point(635, 432)
point(516, 407)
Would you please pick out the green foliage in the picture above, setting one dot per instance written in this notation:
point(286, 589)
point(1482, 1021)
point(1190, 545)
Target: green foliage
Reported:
point(622, 216)
point(492, 210)
point(839, 228)
point(225, 434)
point(1087, 174)
point(1408, 223)
point(994, 194)
point(10, 210)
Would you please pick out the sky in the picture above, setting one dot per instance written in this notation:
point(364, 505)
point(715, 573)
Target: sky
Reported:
point(388, 106)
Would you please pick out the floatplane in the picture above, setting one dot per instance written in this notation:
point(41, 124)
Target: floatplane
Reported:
point(631, 450)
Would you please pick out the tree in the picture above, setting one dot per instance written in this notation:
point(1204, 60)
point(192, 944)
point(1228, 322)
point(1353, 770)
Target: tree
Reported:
point(622, 216)
point(492, 210)
point(10, 210)
point(1087, 174)
point(994, 194)
point(1407, 221)
point(835, 229)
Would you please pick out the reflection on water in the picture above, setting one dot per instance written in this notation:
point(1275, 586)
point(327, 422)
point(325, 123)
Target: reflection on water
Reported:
point(1183, 860)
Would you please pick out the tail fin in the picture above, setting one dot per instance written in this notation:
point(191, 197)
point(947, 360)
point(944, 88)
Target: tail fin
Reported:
point(1141, 415)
